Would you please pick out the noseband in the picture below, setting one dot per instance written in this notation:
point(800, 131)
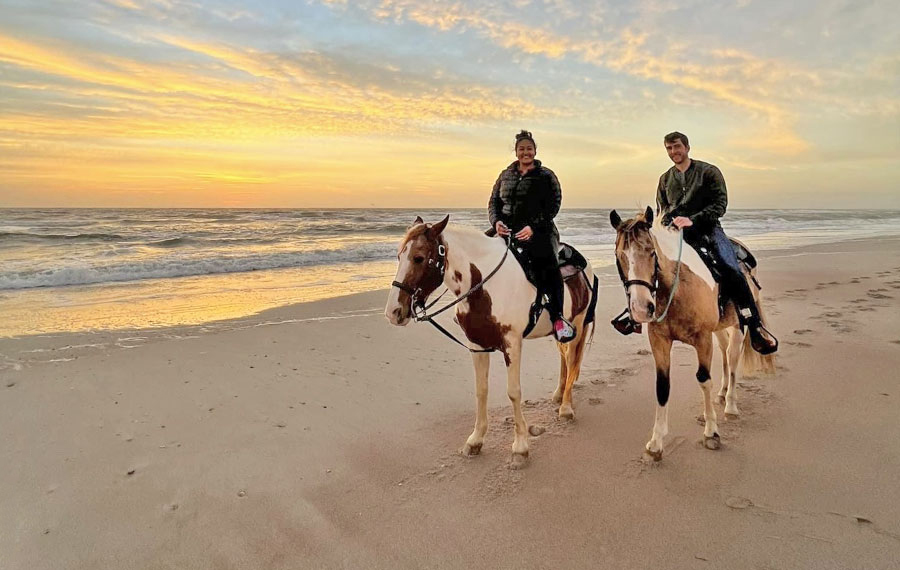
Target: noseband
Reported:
point(629, 282)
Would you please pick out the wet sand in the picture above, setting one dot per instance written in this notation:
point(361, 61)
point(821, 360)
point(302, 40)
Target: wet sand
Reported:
point(318, 436)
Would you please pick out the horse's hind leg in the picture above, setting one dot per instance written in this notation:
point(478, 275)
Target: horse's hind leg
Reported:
point(561, 387)
point(662, 354)
point(482, 362)
point(513, 355)
point(574, 353)
point(723, 337)
point(735, 346)
point(704, 348)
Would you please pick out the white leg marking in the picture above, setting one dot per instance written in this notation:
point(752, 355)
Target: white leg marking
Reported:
point(514, 391)
point(660, 431)
point(482, 364)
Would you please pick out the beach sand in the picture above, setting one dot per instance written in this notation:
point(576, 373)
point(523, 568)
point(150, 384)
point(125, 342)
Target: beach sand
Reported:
point(289, 440)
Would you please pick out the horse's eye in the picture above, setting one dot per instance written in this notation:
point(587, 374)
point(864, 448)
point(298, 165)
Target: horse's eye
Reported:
point(418, 259)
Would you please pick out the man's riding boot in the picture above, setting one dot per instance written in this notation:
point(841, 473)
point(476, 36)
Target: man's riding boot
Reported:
point(761, 339)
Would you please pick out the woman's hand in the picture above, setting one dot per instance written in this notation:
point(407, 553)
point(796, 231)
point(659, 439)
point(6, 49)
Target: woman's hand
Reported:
point(501, 228)
point(525, 234)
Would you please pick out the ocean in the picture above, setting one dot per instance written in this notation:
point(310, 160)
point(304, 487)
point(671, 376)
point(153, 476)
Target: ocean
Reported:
point(100, 269)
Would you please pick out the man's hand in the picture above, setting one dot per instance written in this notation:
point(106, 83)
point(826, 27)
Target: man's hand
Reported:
point(681, 222)
point(501, 228)
point(525, 234)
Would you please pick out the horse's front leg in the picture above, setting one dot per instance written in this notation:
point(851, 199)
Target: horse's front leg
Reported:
point(513, 355)
point(662, 354)
point(482, 362)
point(704, 348)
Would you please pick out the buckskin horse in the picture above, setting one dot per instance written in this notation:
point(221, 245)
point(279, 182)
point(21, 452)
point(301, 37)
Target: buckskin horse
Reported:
point(650, 256)
point(493, 302)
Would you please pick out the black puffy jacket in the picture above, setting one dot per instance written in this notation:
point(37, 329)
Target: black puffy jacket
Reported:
point(530, 200)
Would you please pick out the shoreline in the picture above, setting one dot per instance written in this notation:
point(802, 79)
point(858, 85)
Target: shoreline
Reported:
point(202, 320)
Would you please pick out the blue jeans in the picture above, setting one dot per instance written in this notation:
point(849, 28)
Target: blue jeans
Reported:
point(734, 285)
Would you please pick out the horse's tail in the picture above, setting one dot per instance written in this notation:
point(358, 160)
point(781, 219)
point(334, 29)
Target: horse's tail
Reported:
point(752, 361)
point(590, 316)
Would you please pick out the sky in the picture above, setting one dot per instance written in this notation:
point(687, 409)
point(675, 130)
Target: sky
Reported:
point(405, 103)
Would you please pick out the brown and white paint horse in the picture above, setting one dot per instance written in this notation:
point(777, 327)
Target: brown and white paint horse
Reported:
point(648, 253)
point(492, 317)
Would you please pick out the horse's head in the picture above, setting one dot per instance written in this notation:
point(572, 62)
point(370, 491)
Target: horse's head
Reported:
point(420, 271)
point(636, 260)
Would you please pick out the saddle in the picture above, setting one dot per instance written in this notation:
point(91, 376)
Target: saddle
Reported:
point(570, 262)
point(745, 258)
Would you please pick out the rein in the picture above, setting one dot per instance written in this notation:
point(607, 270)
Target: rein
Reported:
point(419, 309)
point(654, 286)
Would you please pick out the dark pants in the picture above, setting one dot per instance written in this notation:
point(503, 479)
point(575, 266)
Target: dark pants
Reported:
point(732, 280)
point(541, 250)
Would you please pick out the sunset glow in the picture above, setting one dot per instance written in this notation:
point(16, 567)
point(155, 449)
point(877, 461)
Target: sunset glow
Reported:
point(394, 103)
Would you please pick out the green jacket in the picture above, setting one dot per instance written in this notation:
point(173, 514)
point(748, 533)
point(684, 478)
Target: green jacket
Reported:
point(699, 194)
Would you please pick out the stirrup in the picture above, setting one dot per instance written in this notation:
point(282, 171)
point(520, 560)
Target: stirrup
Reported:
point(624, 324)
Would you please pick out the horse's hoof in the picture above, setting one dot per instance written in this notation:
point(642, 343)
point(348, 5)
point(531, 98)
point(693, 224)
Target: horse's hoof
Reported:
point(471, 450)
point(557, 397)
point(518, 460)
point(655, 455)
point(731, 416)
point(712, 442)
point(566, 413)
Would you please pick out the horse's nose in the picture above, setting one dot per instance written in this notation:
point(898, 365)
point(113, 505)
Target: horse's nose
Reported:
point(397, 312)
point(650, 307)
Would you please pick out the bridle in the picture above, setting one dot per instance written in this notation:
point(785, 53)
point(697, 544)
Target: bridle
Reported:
point(440, 264)
point(655, 284)
point(417, 304)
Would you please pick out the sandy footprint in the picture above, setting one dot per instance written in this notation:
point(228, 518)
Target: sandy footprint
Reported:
point(878, 294)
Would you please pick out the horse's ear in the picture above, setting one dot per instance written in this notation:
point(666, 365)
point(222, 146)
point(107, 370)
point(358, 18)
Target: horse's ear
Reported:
point(435, 230)
point(419, 220)
point(648, 215)
point(615, 219)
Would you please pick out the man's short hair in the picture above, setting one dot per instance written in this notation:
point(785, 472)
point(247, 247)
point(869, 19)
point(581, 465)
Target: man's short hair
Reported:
point(674, 136)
